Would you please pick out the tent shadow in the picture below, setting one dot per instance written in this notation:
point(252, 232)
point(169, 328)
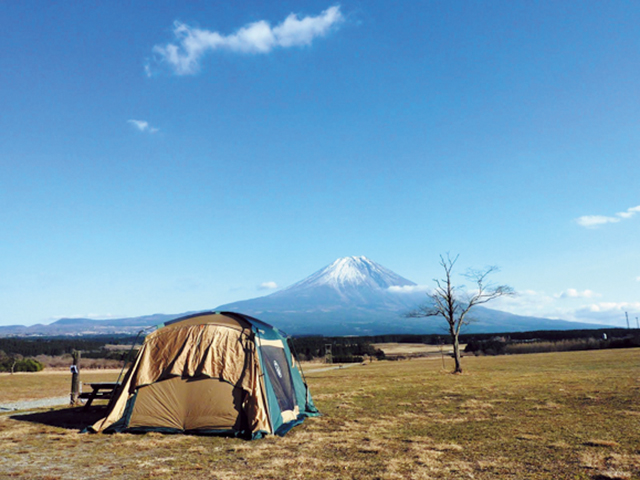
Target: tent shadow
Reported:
point(68, 418)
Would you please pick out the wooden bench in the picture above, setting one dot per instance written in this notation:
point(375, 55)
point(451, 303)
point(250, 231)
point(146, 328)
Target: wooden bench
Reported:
point(100, 391)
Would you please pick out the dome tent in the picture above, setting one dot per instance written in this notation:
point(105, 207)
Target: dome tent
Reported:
point(211, 373)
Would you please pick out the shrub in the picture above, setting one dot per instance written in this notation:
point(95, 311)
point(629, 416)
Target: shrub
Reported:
point(28, 365)
point(493, 346)
point(8, 364)
point(347, 359)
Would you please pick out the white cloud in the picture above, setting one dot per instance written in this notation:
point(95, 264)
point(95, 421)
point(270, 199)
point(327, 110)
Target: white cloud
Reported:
point(193, 43)
point(268, 286)
point(408, 288)
point(612, 313)
point(612, 306)
point(91, 316)
point(592, 221)
point(569, 307)
point(630, 212)
point(296, 32)
point(573, 293)
point(638, 279)
point(143, 126)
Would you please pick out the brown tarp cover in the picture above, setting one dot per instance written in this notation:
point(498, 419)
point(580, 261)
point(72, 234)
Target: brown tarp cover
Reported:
point(213, 346)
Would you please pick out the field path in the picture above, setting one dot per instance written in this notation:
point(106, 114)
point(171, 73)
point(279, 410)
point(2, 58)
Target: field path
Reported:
point(335, 367)
point(41, 403)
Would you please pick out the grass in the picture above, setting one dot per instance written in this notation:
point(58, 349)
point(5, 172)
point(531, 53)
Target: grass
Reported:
point(570, 415)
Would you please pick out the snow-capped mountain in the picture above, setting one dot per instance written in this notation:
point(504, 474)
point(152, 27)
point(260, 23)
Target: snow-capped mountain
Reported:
point(349, 281)
point(351, 288)
point(356, 296)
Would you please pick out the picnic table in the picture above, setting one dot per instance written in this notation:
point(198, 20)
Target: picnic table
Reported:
point(100, 391)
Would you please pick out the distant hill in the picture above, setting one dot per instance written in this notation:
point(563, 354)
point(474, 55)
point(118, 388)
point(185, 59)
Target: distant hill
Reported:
point(88, 326)
point(352, 296)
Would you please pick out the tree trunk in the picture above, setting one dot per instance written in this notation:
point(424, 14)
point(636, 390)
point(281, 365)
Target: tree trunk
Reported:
point(75, 378)
point(456, 354)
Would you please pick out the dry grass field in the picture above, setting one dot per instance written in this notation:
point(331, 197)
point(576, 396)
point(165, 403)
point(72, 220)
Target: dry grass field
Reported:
point(573, 415)
point(30, 386)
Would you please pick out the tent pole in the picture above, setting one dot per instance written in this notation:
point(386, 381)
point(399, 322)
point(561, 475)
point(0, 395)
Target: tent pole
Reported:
point(124, 364)
point(295, 354)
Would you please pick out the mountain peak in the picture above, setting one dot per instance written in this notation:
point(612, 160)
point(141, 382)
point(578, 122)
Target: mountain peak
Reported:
point(352, 272)
point(347, 270)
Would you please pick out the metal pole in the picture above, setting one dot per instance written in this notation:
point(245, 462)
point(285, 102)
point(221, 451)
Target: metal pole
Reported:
point(627, 315)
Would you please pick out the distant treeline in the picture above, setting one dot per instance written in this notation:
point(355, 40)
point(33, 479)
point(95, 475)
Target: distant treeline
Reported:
point(539, 335)
point(510, 346)
point(57, 346)
point(555, 335)
point(343, 349)
point(348, 349)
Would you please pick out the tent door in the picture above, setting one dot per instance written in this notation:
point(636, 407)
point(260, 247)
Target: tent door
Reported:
point(189, 404)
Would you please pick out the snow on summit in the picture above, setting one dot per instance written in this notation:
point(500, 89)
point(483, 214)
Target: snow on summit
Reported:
point(353, 272)
point(345, 270)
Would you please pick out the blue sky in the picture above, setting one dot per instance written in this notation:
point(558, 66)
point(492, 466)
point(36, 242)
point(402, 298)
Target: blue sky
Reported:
point(174, 156)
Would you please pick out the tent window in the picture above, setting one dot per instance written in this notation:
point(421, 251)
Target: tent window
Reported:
point(280, 376)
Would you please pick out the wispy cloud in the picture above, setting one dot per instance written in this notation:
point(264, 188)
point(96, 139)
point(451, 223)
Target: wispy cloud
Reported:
point(408, 288)
point(268, 286)
point(142, 125)
point(592, 221)
point(91, 316)
point(191, 43)
point(568, 305)
point(619, 307)
point(612, 313)
point(573, 293)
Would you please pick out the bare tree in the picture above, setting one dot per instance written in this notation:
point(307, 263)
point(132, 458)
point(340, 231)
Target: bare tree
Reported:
point(453, 303)
point(15, 358)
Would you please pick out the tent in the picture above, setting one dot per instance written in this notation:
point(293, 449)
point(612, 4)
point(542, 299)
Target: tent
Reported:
point(211, 373)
